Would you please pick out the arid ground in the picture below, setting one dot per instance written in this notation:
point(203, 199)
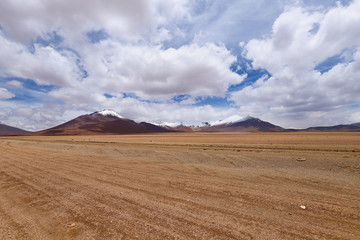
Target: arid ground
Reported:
point(181, 186)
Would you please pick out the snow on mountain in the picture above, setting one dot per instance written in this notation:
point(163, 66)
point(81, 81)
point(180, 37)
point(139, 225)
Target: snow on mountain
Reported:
point(167, 124)
point(228, 120)
point(108, 112)
point(252, 118)
point(172, 124)
point(231, 119)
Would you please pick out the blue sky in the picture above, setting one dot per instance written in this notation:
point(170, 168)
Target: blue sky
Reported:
point(294, 63)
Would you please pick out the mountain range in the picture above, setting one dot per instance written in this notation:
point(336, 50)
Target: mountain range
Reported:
point(355, 127)
point(109, 122)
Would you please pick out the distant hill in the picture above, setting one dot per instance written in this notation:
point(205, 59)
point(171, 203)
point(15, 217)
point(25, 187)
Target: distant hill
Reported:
point(8, 130)
point(355, 127)
point(103, 122)
point(179, 128)
point(248, 124)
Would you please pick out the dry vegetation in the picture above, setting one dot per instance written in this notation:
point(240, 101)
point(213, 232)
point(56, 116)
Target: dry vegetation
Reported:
point(181, 186)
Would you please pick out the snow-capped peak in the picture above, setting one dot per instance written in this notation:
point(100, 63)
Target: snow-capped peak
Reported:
point(250, 117)
point(171, 124)
point(228, 120)
point(232, 119)
point(167, 124)
point(108, 112)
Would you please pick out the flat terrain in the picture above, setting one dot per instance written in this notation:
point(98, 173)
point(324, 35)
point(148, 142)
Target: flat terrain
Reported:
point(181, 186)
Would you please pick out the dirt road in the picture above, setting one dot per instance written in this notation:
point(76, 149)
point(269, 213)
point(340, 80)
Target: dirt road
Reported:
point(181, 186)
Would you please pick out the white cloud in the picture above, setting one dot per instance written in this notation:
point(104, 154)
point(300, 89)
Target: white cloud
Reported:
point(149, 20)
point(5, 94)
point(291, 54)
point(355, 117)
point(188, 101)
point(119, 63)
point(45, 65)
point(25, 20)
point(296, 42)
point(24, 111)
point(154, 73)
point(14, 83)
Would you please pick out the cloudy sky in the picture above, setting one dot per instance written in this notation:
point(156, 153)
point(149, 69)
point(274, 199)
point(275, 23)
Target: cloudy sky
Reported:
point(293, 63)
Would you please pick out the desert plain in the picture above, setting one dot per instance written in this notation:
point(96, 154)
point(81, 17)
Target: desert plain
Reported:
point(181, 186)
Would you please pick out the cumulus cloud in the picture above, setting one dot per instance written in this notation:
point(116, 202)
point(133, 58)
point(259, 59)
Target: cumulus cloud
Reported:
point(25, 21)
point(302, 39)
point(154, 73)
point(35, 19)
point(307, 35)
point(116, 64)
point(5, 94)
point(44, 65)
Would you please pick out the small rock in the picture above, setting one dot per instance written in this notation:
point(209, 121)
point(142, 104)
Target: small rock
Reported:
point(301, 159)
point(72, 225)
point(303, 207)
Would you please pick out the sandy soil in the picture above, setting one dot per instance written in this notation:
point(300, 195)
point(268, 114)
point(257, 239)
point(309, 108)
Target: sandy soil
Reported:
point(181, 186)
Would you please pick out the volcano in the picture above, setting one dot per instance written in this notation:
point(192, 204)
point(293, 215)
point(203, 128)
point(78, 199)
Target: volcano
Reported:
point(102, 122)
point(248, 124)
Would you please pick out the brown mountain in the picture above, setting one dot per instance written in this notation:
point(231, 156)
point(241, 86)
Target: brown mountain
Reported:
point(249, 124)
point(8, 130)
point(104, 122)
point(355, 127)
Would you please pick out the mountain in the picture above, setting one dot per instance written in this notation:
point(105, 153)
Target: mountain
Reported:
point(175, 127)
point(179, 128)
point(355, 127)
point(228, 120)
point(102, 122)
point(8, 130)
point(236, 124)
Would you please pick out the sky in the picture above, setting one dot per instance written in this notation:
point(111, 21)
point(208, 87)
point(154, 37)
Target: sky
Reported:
point(291, 62)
